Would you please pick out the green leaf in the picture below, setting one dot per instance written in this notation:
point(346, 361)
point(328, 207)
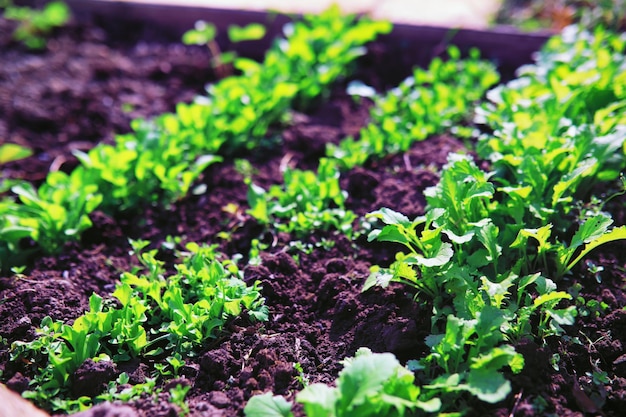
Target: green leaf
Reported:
point(378, 277)
point(567, 183)
point(56, 13)
point(488, 236)
point(201, 34)
point(488, 385)
point(564, 317)
point(391, 217)
point(389, 233)
point(364, 376)
point(12, 152)
point(618, 233)
point(459, 239)
point(318, 400)
point(541, 234)
point(442, 257)
point(251, 32)
point(267, 405)
point(592, 229)
point(551, 298)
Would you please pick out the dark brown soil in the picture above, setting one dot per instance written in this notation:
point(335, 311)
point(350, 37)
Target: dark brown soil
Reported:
point(75, 94)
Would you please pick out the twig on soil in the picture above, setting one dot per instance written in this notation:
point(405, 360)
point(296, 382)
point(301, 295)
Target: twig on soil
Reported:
point(407, 162)
point(284, 162)
point(518, 399)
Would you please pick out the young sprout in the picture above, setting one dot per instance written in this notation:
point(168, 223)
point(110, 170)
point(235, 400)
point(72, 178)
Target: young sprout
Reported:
point(35, 25)
point(204, 33)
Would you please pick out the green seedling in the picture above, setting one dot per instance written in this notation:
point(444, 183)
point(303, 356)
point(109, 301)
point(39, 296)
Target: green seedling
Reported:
point(429, 102)
point(155, 313)
point(35, 25)
point(122, 390)
point(177, 397)
point(370, 384)
point(55, 214)
point(204, 33)
point(306, 201)
point(10, 152)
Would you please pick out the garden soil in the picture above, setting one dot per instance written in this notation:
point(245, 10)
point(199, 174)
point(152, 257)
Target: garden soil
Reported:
point(87, 86)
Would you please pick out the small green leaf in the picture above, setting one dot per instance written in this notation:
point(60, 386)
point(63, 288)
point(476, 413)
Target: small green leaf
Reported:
point(488, 385)
point(267, 405)
point(592, 229)
point(202, 34)
point(12, 152)
point(56, 13)
point(389, 216)
point(442, 257)
point(618, 233)
point(251, 32)
point(318, 400)
point(551, 298)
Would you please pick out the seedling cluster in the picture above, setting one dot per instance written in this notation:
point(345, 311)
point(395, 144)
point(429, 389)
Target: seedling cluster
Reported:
point(151, 314)
point(305, 202)
point(489, 256)
point(493, 245)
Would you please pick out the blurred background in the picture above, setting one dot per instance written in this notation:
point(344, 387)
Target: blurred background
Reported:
point(530, 15)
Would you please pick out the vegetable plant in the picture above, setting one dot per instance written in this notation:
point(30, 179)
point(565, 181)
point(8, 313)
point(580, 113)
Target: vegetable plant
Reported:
point(153, 314)
point(431, 101)
point(13, 152)
point(370, 384)
point(314, 56)
point(204, 33)
point(35, 25)
point(492, 245)
point(160, 160)
point(54, 214)
point(306, 201)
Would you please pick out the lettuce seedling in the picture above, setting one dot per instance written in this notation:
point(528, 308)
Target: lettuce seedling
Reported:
point(321, 49)
point(10, 152)
point(152, 164)
point(204, 33)
point(429, 102)
point(370, 384)
point(35, 25)
point(305, 202)
point(155, 313)
point(55, 214)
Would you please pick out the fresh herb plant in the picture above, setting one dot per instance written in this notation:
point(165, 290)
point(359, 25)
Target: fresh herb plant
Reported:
point(160, 160)
point(429, 102)
point(13, 152)
point(35, 25)
point(306, 201)
point(153, 314)
point(370, 384)
point(204, 33)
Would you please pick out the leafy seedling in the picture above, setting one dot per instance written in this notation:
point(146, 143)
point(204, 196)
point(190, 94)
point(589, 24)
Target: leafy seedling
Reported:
point(10, 152)
point(35, 25)
point(205, 33)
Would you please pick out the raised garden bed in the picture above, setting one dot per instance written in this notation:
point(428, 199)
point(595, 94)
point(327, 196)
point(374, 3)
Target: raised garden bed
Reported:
point(99, 73)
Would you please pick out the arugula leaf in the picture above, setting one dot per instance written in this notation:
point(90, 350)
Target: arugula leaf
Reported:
point(266, 405)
